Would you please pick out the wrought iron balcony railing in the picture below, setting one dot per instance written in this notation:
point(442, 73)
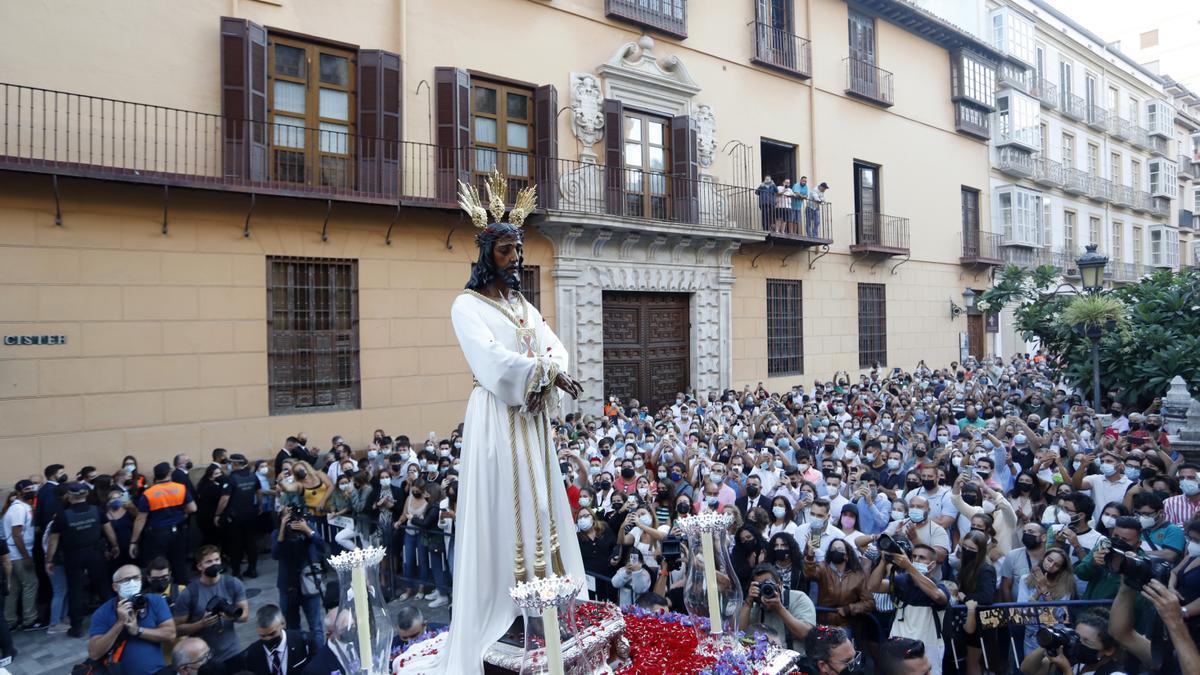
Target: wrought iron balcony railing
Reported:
point(1139, 137)
point(868, 81)
point(1142, 201)
point(1186, 168)
point(664, 16)
point(1159, 145)
point(1074, 106)
point(1076, 181)
point(776, 48)
point(1097, 117)
point(971, 120)
point(1122, 195)
point(1015, 162)
point(1027, 258)
point(1119, 127)
point(68, 134)
point(1048, 172)
point(803, 222)
point(1099, 189)
point(981, 248)
point(1046, 92)
point(879, 233)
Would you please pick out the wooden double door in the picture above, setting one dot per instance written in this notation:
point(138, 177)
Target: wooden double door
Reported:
point(647, 346)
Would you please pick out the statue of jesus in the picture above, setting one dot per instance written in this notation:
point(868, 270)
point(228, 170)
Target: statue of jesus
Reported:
point(513, 520)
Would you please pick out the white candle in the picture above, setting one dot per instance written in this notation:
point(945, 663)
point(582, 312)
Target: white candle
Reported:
point(362, 618)
point(710, 582)
point(553, 643)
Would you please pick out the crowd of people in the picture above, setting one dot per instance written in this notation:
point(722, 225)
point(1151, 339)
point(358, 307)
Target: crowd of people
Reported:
point(875, 519)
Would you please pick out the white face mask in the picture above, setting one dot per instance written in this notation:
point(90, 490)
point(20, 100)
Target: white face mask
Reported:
point(128, 589)
point(585, 524)
point(262, 470)
point(898, 515)
point(779, 511)
point(1109, 522)
point(1193, 548)
point(585, 501)
point(1148, 521)
point(645, 520)
point(131, 467)
point(642, 492)
point(385, 482)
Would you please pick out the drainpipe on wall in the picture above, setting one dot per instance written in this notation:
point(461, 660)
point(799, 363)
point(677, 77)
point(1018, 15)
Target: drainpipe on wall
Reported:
point(402, 45)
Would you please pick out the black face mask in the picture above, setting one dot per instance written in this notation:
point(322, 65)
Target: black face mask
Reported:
point(967, 556)
point(929, 484)
point(158, 585)
point(627, 474)
point(921, 452)
point(752, 491)
point(1031, 541)
point(1121, 545)
point(1022, 488)
point(778, 554)
point(1153, 428)
point(913, 484)
point(214, 571)
point(188, 466)
point(1084, 655)
point(301, 474)
point(605, 485)
point(605, 451)
point(683, 508)
point(970, 499)
point(836, 556)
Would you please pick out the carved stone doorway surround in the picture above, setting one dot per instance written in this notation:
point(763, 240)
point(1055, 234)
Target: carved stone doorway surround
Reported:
point(592, 257)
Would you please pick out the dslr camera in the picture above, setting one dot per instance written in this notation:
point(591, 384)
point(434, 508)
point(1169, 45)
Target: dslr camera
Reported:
point(887, 544)
point(767, 590)
point(139, 602)
point(1058, 639)
point(672, 551)
point(222, 607)
point(1137, 571)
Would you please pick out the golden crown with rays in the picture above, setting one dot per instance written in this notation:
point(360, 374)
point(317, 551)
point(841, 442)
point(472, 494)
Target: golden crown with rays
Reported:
point(496, 186)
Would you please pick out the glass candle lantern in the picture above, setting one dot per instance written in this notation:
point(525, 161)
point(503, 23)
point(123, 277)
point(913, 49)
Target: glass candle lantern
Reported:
point(711, 591)
point(548, 608)
point(362, 636)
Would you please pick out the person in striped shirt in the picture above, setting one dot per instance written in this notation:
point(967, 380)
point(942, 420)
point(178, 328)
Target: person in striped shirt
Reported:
point(1182, 508)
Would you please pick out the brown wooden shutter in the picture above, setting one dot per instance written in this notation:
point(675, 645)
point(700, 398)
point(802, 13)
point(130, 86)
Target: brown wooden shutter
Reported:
point(545, 130)
point(685, 170)
point(453, 129)
point(380, 102)
point(614, 112)
point(244, 98)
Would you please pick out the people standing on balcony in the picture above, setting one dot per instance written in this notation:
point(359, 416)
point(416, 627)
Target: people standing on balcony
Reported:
point(799, 196)
point(812, 219)
point(766, 201)
point(783, 206)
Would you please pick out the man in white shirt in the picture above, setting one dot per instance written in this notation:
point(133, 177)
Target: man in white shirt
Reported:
point(766, 471)
point(18, 533)
point(817, 531)
point(833, 492)
point(1110, 485)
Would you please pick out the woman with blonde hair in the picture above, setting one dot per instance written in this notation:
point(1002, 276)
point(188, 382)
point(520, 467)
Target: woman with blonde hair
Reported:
point(1051, 580)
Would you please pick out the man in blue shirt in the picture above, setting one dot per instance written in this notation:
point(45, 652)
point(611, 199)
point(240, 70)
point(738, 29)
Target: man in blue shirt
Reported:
point(1165, 539)
point(132, 638)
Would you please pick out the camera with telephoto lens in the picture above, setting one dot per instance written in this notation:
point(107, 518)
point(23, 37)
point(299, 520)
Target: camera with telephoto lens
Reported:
point(222, 607)
point(138, 602)
point(767, 590)
point(887, 544)
point(1058, 638)
point(1137, 571)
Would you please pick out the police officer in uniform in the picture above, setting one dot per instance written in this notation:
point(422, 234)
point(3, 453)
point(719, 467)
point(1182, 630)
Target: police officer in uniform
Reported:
point(162, 509)
point(237, 516)
point(79, 531)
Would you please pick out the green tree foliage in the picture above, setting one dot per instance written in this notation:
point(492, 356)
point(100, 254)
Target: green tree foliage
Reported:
point(1156, 337)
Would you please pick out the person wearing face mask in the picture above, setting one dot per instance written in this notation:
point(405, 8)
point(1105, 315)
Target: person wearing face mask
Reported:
point(819, 532)
point(158, 527)
point(1020, 561)
point(209, 489)
point(919, 528)
point(633, 578)
point(191, 609)
point(918, 598)
point(841, 583)
point(1109, 485)
point(784, 554)
point(1180, 509)
point(119, 515)
point(753, 497)
point(139, 633)
point(278, 650)
point(980, 498)
point(939, 497)
point(1164, 538)
point(130, 465)
point(641, 531)
point(600, 551)
point(1102, 582)
point(976, 583)
point(183, 466)
point(79, 533)
point(782, 519)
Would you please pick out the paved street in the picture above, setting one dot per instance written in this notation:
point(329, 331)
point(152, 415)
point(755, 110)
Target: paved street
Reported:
point(42, 654)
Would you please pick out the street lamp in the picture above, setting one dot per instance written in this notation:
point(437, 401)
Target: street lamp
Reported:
point(1091, 269)
point(1091, 273)
point(970, 297)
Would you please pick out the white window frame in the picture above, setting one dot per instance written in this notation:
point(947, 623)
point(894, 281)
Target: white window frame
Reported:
point(1022, 217)
point(1012, 34)
point(1018, 120)
point(1164, 178)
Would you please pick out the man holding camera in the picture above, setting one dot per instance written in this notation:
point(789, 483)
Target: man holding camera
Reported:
point(210, 605)
point(790, 613)
point(299, 550)
point(131, 627)
point(919, 598)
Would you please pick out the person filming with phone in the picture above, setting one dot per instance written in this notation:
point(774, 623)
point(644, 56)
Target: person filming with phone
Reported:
point(903, 572)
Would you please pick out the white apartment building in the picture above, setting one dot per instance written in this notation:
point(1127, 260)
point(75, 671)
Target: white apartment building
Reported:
point(1087, 147)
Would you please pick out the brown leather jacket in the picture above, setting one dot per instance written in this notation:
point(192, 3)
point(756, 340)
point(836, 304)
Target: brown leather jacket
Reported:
point(848, 591)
